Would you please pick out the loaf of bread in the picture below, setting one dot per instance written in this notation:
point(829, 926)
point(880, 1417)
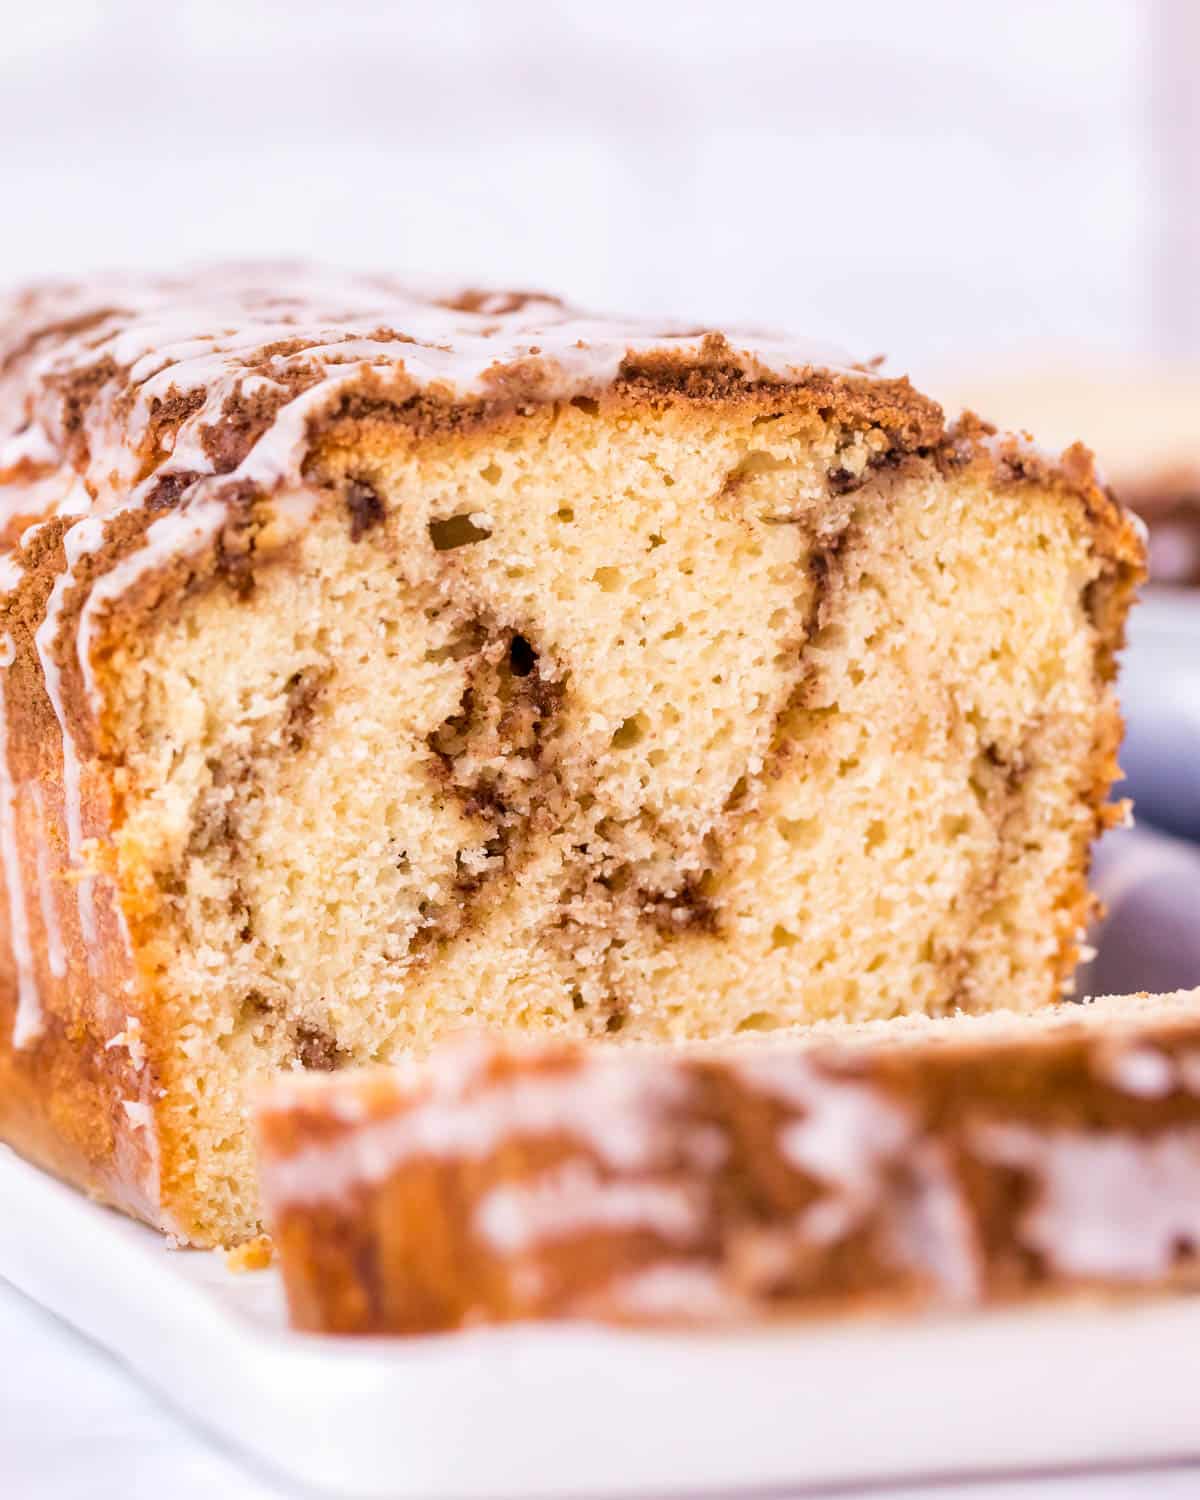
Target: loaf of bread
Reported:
point(908, 1163)
point(381, 661)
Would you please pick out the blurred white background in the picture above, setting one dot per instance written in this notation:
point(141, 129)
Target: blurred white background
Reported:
point(933, 179)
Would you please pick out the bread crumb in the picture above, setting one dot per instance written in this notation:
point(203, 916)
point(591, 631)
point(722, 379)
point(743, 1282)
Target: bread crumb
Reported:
point(253, 1255)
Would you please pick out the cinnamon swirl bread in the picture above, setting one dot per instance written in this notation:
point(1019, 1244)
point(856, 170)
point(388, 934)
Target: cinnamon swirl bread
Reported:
point(381, 661)
point(947, 1163)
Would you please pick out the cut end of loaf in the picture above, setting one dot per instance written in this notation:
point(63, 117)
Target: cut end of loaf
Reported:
point(629, 722)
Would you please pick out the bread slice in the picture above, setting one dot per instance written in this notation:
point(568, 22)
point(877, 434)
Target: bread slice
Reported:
point(902, 1163)
point(383, 661)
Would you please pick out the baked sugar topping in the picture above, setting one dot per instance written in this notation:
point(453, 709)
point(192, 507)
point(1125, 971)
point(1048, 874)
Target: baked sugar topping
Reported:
point(134, 377)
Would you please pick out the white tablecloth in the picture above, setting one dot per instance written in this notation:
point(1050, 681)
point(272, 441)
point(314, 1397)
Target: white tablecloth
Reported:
point(74, 1425)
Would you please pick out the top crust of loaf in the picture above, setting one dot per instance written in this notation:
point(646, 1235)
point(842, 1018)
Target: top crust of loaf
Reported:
point(160, 432)
point(174, 389)
point(176, 379)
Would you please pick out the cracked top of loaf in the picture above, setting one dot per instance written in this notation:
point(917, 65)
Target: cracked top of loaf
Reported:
point(149, 393)
point(166, 384)
point(150, 422)
point(151, 390)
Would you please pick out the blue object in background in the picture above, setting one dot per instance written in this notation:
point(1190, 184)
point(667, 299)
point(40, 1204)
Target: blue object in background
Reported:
point(1160, 695)
point(1149, 876)
point(1150, 939)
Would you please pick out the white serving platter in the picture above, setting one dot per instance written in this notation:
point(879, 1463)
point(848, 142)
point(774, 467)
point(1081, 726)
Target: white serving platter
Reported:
point(582, 1411)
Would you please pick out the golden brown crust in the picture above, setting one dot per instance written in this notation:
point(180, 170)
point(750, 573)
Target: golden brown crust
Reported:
point(76, 1097)
point(768, 1180)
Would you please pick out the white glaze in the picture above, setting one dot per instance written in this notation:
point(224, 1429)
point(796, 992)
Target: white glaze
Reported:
point(27, 1026)
point(57, 493)
point(1142, 1071)
point(174, 534)
point(31, 445)
point(1109, 1204)
point(675, 1290)
point(139, 1115)
point(932, 1231)
point(574, 1198)
point(614, 1106)
point(130, 1038)
point(845, 1134)
point(177, 534)
point(11, 573)
point(84, 537)
point(207, 332)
